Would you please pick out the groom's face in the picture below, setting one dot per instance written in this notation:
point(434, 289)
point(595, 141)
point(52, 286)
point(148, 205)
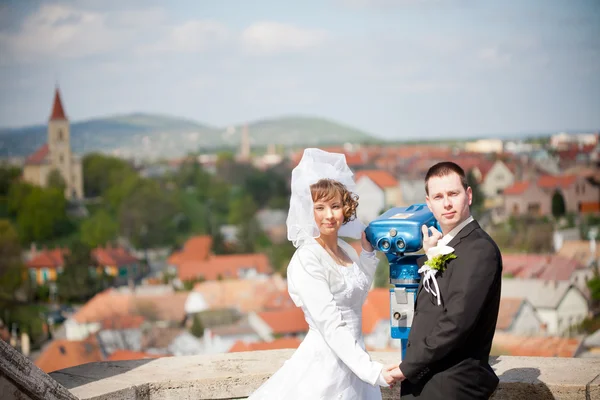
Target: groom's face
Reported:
point(448, 200)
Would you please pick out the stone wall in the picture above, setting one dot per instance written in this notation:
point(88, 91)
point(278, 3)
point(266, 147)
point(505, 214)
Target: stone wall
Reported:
point(237, 375)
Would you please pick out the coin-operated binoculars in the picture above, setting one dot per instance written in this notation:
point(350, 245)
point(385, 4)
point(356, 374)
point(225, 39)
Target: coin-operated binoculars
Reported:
point(397, 233)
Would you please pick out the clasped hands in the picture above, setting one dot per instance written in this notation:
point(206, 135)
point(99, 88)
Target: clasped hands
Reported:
point(392, 374)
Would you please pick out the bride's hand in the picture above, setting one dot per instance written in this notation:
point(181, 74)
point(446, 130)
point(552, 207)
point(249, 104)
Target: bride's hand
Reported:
point(387, 377)
point(365, 243)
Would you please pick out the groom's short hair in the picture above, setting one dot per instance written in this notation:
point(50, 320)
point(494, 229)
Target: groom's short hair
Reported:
point(445, 168)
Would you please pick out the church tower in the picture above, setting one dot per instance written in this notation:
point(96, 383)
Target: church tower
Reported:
point(56, 155)
point(59, 143)
point(59, 150)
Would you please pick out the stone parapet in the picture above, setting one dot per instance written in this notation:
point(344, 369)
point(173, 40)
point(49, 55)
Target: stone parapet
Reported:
point(237, 375)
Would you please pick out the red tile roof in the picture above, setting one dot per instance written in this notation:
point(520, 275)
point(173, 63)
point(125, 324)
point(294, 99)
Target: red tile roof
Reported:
point(39, 157)
point(55, 258)
point(224, 266)
point(62, 354)
point(286, 321)
point(279, 301)
point(357, 158)
point(113, 256)
point(375, 308)
point(122, 322)
point(383, 179)
point(517, 188)
point(196, 248)
point(58, 112)
point(549, 267)
point(554, 182)
point(124, 355)
point(48, 259)
point(509, 307)
point(112, 304)
point(535, 346)
point(245, 295)
point(283, 343)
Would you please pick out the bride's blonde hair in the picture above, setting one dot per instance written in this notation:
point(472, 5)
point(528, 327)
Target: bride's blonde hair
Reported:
point(327, 189)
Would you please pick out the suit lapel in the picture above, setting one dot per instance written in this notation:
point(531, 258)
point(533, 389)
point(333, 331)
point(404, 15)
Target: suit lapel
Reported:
point(463, 233)
point(453, 243)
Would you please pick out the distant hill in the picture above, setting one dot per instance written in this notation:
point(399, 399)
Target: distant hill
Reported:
point(293, 131)
point(151, 135)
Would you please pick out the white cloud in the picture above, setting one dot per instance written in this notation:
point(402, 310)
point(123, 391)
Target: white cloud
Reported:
point(275, 37)
point(58, 31)
point(192, 37)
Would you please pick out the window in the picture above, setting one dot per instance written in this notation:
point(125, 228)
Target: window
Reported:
point(60, 135)
point(534, 208)
point(61, 159)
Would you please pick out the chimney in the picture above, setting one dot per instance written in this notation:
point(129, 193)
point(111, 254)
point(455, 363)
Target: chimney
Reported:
point(245, 145)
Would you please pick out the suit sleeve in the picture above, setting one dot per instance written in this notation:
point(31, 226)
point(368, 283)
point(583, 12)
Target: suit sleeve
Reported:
point(308, 280)
point(468, 289)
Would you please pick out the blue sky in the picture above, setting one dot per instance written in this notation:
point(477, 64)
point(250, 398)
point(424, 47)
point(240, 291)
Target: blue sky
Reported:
point(400, 69)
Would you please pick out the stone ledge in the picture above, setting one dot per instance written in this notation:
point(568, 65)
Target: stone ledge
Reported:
point(237, 375)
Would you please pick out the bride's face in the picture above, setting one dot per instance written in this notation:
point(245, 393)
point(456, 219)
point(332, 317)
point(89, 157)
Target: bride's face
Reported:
point(329, 215)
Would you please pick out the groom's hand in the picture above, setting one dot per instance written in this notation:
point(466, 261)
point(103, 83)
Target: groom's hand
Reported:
point(397, 374)
point(430, 241)
point(387, 374)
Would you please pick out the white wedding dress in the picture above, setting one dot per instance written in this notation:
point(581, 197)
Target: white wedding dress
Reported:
point(331, 362)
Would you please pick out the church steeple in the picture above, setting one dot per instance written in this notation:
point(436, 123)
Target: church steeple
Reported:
point(58, 113)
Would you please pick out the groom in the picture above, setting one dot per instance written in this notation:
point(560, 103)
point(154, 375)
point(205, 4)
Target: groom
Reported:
point(449, 344)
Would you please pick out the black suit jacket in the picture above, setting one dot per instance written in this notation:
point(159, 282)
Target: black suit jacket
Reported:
point(449, 345)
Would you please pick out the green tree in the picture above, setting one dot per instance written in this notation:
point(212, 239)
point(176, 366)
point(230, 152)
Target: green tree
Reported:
point(251, 238)
point(17, 193)
point(118, 192)
point(8, 176)
point(197, 328)
point(147, 217)
point(99, 229)
point(55, 180)
point(478, 196)
point(12, 271)
point(594, 286)
point(43, 215)
point(102, 172)
point(265, 187)
point(558, 205)
point(242, 208)
point(76, 283)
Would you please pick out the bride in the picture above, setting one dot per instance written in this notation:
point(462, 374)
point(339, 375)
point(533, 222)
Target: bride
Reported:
point(330, 282)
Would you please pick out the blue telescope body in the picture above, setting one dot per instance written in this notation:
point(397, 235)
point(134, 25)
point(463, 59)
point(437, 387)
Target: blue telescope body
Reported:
point(397, 233)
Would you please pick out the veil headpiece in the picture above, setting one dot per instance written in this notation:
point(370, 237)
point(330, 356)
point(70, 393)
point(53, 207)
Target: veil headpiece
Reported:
point(317, 164)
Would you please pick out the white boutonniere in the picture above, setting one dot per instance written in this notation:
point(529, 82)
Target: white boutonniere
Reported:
point(437, 257)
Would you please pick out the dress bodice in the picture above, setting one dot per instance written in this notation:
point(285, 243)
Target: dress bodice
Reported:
point(350, 298)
